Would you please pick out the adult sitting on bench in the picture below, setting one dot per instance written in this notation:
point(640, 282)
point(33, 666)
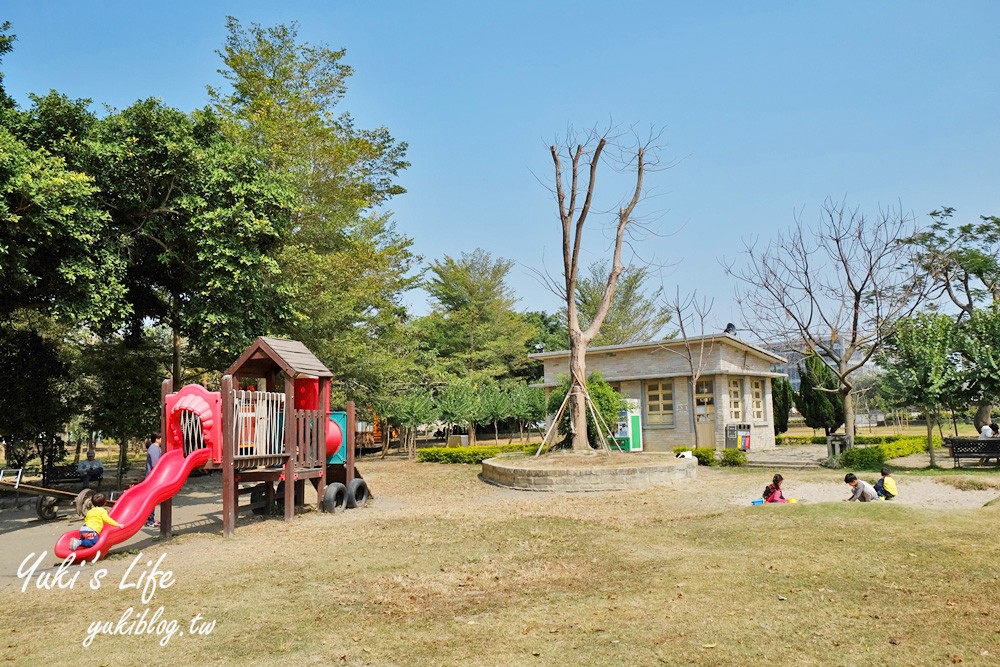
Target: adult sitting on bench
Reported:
point(90, 470)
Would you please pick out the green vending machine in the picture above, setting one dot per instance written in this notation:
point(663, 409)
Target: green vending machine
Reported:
point(628, 430)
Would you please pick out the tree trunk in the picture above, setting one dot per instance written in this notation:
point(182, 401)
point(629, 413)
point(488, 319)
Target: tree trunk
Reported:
point(577, 400)
point(983, 415)
point(472, 434)
point(176, 365)
point(122, 459)
point(930, 436)
point(496, 434)
point(849, 414)
point(694, 409)
point(520, 428)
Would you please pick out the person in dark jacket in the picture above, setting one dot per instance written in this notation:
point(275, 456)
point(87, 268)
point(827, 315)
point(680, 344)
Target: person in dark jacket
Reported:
point(153, 453)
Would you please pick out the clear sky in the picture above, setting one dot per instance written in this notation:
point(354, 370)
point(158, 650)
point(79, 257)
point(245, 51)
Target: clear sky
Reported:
point(768, 107)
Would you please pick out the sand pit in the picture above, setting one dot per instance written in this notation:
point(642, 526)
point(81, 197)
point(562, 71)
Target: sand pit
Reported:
point(828, 486)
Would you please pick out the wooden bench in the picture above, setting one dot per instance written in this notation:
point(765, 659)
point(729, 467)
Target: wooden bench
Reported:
point(973, 448)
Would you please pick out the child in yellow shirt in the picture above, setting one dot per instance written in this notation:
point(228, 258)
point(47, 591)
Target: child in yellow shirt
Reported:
point(886, 487)
point(93, 523)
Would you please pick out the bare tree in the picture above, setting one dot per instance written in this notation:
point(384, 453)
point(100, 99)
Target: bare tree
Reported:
point(575, 196)
point(691, 314)
point(836, 290)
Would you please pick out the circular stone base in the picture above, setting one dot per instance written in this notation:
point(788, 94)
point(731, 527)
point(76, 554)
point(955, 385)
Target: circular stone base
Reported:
point(570, 471)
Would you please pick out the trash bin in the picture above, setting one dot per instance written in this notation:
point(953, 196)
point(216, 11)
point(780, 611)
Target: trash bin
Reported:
point(738, 436)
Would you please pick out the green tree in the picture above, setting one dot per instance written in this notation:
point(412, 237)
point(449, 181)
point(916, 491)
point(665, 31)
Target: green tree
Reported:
point(527, 405)
point(201, 219)
point(55, 257)
point(473, 327)
point(979, 346)
point(634, 316)
point(34, 403)
point(457, 403)
point(344, 266)
point(920, 365)
point(123, 377)
point(818, 399)
point(608, 401)
point(782, 397)
point(410, 410)
point(6, 46)
point(962, 262)
point(495, 406)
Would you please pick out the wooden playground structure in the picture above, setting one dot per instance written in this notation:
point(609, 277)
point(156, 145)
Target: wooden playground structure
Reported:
point(266, 442)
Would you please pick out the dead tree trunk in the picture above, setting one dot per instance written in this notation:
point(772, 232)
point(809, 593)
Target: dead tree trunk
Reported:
point(584, 160)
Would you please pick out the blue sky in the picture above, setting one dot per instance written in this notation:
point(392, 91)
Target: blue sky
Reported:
point(767, 107)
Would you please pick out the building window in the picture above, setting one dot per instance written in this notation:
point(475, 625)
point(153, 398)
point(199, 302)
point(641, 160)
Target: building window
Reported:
point(660, 402)
point(735, 400)
point(758, 400)
point(704, 401)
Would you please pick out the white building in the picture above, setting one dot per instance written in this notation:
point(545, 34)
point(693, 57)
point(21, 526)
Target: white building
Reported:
point(733, 388)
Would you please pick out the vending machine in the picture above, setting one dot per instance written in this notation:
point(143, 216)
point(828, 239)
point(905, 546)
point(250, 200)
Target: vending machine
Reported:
point(628, 430)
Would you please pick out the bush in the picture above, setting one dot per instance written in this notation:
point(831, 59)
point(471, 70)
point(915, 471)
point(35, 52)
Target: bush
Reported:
point(863, 458)
point(705, 456)
point(608, 401)
point(682, 448)
point(873, 456)
point(469, 455)
point(734, 457)
point(821, 439)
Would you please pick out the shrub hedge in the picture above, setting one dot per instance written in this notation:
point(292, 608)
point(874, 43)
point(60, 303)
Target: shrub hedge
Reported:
point(873, 456)
point(858, 439)
point(705, 456)
point(469, 454)
point(734, 457)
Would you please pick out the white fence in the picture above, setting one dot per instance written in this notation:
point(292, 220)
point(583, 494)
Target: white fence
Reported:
point(258, 423)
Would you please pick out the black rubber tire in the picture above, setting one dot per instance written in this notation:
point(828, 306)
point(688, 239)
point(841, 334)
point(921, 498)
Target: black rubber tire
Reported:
point(357, 493)
point(335, 497)
point(259, 495)
point(84, 501)
point(46, 507)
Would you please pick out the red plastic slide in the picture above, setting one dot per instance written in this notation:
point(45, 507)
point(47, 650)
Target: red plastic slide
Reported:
point(133, 507)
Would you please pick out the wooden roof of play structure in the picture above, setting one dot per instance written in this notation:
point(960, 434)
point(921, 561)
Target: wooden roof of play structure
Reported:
point(268, 355)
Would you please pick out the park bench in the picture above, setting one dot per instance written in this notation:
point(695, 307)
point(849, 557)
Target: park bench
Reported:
point(973, 448)
point(61, 474)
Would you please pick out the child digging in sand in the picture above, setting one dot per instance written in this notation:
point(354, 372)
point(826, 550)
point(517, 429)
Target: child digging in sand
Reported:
point(772, 492)
point(93, 523)
point(886, 486)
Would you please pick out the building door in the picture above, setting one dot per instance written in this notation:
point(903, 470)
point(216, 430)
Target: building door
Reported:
point(704, 412)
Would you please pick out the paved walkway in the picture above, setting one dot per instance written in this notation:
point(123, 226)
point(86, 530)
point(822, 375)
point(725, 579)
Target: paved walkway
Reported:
point(809, 456)
point(788, 456)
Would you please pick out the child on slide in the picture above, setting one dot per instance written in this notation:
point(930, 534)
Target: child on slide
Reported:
point(93, 523)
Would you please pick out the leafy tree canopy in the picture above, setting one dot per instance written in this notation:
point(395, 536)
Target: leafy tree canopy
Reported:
point(817, 398)
point(473, 327)
point(634, 316)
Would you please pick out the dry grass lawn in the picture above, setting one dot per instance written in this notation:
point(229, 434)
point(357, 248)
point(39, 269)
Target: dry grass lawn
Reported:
point(445, 570)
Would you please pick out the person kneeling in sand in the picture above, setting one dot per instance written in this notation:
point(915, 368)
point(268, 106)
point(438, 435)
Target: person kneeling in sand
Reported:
point(886, 486)
point(863, 491)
